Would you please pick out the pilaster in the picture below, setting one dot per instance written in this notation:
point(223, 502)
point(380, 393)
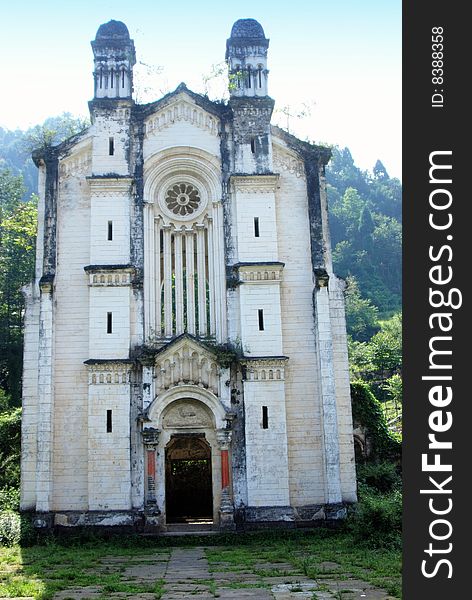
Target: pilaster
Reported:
point(226, 511)
point(45, 427)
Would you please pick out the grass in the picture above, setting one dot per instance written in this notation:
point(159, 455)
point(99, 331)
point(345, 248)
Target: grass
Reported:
point(42, 570)
point(305, 552)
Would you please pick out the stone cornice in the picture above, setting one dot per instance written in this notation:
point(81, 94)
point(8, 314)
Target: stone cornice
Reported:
point(246, 360)
point(250, 184)
point(264, 368)
point(110, 184)
point(108, 177)
point(268, 263)
point(110, 275)
point(109, 361)
point(109, 371)
point(260, 272)
point(105, 268)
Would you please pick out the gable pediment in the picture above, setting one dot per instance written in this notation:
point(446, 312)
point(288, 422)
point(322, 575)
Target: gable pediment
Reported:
point(181, 108)
point(185, 360)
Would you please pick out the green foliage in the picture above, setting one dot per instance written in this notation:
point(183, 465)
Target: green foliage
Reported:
point(17, 240)
point(393, 387)
point(226, 354)
point(380, 172)
point(10, 528)
point(10, 437)
point(380, 477)
point(380, 355)
point(10, 499)
point(361, 314)
point(377, 519)
point(387, 345)
point(365, 216)
point(16, 146)
point(54, 130)
point(367, 411)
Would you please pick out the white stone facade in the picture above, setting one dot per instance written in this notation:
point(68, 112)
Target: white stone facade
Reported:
point(184, 312)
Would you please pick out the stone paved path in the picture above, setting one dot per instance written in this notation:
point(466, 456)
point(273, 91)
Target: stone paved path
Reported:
point(185, 573)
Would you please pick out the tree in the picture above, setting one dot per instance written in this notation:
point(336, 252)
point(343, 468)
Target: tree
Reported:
point(17, 240)
point(54, 130)
point(366, 228)
point(387, 345)
point(361, 314)
point(380, 172)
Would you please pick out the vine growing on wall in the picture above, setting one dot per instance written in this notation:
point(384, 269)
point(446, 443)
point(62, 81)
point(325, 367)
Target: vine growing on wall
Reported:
point(228, 353)
point(367, 412)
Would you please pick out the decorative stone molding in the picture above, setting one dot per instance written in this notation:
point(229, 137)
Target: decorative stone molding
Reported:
point(79, 164)
point(109, 372)
point(110, 186)
point(254, 184)
point(110, 275)
point(260, 273)
point(289, 163)
point(186, 362)
point(181, 110)
point(187, 414)
point(223, 438)
point(151, 438)
point(265, 369)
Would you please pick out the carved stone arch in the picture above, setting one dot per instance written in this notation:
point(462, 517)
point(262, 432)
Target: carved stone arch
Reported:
point(359, 448)
point(187, 413)
point(157, 408)
point(193, 161)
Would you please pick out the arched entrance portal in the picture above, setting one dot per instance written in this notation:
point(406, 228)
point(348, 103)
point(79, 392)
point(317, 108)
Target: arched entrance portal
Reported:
point(188, 474)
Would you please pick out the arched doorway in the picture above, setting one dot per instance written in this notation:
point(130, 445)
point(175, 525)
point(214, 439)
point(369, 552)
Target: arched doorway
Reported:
point(188, 479)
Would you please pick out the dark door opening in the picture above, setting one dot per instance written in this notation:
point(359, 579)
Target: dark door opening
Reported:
point(189, 494)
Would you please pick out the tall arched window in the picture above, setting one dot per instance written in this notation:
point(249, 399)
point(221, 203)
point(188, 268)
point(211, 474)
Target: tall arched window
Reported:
point(184, 268)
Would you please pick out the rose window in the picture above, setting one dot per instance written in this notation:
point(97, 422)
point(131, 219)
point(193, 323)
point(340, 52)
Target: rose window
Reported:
point(182, 199)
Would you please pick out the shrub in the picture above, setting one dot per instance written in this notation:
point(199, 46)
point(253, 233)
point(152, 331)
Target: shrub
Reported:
point(10, 528)
point(10, 435)
point(379, 477)
point(16, 529)
point(9, 499)
point(377, 520)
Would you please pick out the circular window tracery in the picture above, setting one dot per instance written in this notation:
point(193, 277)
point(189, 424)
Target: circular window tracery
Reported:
point(182, 199)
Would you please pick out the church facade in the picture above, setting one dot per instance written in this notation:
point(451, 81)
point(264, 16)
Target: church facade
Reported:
point(185, 343)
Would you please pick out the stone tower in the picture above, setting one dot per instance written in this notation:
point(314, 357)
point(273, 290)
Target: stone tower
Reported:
point(114, 58)
point(185, 346)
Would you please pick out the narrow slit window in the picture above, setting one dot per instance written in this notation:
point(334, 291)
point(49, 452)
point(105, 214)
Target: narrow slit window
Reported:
point(101, 78)
point(253, 145)
point(256, 226)
point(260, 314)
point(265, 417)
point(112, 77)
point(109, 421)
point(109, 322)
point(122, 78)
point(260, 76)
point(111, 146)
point(110, 231)
point(249, 76)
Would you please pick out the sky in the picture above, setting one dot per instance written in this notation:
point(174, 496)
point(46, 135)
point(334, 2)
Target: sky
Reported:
point(337, 61)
